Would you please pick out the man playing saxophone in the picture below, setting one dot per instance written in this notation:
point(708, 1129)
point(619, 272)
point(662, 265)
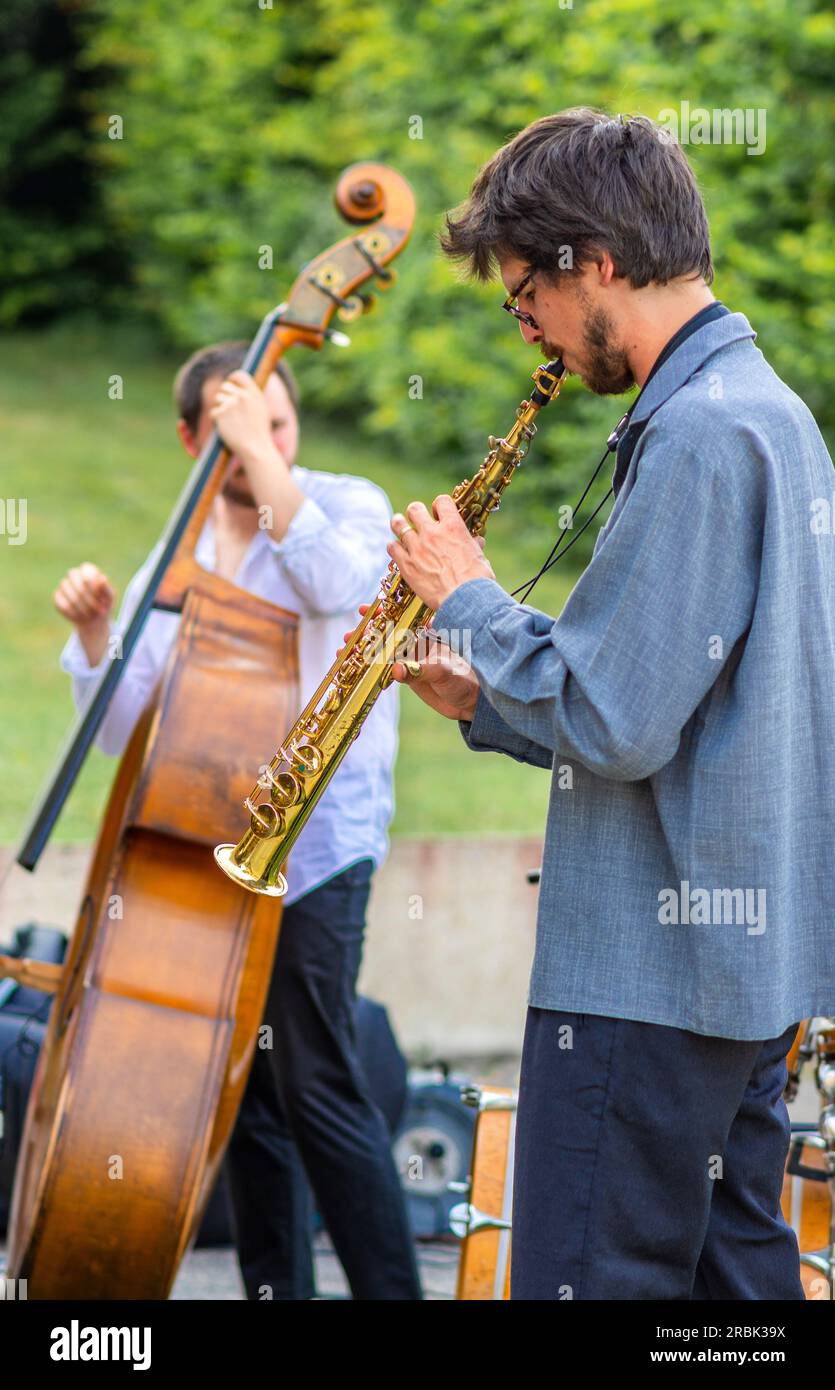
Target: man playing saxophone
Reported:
point(685, 920)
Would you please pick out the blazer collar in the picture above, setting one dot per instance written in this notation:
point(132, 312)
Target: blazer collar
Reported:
point(688, 358)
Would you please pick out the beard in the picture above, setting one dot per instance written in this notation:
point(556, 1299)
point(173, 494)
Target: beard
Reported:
point(604, 366)
point(236, 489)
point(606, 369)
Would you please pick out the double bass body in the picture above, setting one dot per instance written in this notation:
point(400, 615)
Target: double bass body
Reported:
point(149, 1046)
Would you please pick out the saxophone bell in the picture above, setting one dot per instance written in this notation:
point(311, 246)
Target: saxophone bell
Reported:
point(236, 861)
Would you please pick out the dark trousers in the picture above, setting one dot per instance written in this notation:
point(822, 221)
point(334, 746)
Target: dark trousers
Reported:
point(649, 1164)
point(307, 1114)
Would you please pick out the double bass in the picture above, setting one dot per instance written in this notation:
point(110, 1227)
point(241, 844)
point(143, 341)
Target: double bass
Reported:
point(158, 1003)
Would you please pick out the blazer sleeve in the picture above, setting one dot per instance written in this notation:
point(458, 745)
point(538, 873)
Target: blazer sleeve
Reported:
point(647, 628)
point(488, 732)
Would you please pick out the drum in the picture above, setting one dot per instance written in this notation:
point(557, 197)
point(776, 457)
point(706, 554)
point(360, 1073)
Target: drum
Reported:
point(794, 1061)
point(483, 1220)
point(808, 1186)
point(807, 1206)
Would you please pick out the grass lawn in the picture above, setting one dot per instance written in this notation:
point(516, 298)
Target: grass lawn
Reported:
point(100, 477)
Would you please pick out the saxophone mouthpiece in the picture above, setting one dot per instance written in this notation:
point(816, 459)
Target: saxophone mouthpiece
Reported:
point(547, 381)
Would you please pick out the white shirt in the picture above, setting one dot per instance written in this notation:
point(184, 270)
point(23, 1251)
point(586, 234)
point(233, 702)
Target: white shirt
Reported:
point(331, 559)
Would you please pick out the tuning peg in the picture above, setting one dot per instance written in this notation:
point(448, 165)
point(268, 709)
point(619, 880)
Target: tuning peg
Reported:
point(350, 309)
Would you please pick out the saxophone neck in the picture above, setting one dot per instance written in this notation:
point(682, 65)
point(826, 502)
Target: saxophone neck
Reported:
point(477, 497)
point(547, 379)
point(547, 382)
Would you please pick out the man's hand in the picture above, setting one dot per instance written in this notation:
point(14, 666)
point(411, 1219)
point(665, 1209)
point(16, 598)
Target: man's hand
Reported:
point(85, 597)
point(446, 682)
point(436, 553)
point(242, 419)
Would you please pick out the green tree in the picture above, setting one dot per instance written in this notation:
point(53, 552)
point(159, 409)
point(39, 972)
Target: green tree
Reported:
point(238, 119)
point(55, 253)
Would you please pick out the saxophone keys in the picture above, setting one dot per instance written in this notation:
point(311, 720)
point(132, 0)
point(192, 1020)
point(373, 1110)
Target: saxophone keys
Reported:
point(332, 700)
point(307, 759)
point(264, 820)
point(286, 790)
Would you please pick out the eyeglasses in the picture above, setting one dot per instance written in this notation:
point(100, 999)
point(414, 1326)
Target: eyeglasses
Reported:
point(510, 303)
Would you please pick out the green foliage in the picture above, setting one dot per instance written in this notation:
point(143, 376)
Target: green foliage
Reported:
point(238, 119)
point(54, 244)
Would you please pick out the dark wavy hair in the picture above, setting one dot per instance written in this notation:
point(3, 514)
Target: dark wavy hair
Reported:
point(218, 360)
point(584, 181)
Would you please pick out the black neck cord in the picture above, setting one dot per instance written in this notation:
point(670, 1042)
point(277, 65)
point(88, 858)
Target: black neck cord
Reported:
point(559, 549)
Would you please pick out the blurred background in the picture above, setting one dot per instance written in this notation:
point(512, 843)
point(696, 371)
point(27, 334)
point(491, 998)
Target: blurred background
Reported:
point(121, 255)
point(148, 155)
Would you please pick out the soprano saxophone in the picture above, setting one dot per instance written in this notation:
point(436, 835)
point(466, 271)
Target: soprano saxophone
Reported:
point(285, 795)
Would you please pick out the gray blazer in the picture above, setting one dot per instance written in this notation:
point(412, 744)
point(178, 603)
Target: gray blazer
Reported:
point(685, 703)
